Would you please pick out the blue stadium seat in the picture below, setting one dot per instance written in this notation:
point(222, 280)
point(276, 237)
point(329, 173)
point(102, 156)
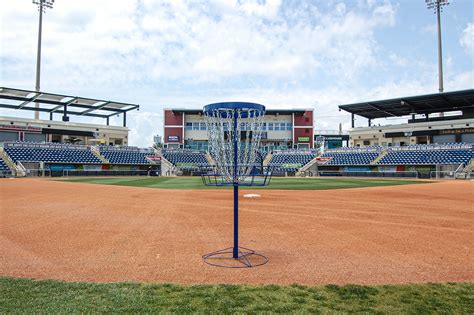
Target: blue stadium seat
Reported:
point(50, 153)
point(290, 161)
point(185, 159)
point(3, 166)
point(428, 157)
point(125, 155)
point(350, 158)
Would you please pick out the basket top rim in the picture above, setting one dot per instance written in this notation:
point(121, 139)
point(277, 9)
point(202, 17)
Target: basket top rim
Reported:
point(244, 106)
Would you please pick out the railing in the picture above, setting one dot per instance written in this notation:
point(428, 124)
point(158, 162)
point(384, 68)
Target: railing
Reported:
point(5, 173)
point(401, 174)
point(104, 173)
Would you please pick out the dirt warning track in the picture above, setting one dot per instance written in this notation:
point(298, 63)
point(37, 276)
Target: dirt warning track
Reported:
point(88, 232)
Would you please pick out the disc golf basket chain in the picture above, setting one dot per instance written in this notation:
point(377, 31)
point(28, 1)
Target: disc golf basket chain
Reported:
point(234, 131)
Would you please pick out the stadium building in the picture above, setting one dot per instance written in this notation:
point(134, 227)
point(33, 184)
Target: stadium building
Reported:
point(59, 147)
point(436, 141)
point(434, 118)
point(282, 129)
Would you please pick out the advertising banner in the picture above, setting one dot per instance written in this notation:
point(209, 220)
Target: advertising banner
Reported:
point(173, 138)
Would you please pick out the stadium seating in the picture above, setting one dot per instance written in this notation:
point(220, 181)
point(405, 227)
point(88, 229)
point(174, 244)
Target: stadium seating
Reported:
point(3, 166)
point(428, 157)
point(185, 159)
point(290, 161)
point(350, 158)
point(50, 153)
point(125, 155)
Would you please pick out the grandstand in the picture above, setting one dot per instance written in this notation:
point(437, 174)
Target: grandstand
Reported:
point(428, 155)
point(50, 153)
point(4, 169)
point(427, 143)
point(290, 161)
point(186, 160)
point(353, 158)
point(126, 155)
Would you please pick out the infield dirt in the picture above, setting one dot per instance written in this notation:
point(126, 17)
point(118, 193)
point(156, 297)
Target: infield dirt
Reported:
point(87, 232)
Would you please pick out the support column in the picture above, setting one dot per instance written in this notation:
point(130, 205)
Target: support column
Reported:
point(235, 252)
point(370, 122)
point(107, 121)
point(65, 118)
point(352, 120)
point(51, 116)
point(125, 119)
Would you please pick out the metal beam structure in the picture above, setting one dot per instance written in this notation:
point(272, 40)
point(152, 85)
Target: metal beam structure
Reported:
point(18, 99)
point(420, 104)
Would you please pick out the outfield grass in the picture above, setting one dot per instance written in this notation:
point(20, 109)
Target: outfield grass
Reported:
point(30, 296)
point(290, 183)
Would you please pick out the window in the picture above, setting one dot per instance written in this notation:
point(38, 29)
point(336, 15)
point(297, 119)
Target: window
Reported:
point(277, 127)
point(189, 126)
point(264, 126)
point(289, 126)
point(202, 126)
point(195, 126)
point(270, 126)
point(282, 126)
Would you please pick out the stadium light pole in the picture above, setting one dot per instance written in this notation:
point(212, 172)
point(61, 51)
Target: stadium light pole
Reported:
point(42, 6)
point(437, 7)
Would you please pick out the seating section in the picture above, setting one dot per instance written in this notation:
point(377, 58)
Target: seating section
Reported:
point(125, 155)
point(290, 161)
point(427, 157)
point(186, 160)
point(50, 153)
point(3, 166)
point(350, 158)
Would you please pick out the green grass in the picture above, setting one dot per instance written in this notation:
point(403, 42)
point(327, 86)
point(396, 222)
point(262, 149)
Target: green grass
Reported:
point(52, 297)
point(290, 183)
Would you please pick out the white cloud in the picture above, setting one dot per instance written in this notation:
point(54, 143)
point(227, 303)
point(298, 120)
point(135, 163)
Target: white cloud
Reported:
point(171, 53)
point(467, 39)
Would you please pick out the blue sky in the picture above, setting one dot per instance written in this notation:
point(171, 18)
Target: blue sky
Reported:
point(283, 54)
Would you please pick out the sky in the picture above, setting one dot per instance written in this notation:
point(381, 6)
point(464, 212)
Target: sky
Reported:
point(282, 54)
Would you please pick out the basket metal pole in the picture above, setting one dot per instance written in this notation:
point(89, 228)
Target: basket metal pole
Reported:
point(235, 253)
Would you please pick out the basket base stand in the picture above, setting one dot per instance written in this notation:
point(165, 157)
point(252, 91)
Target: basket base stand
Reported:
point(246, 258)
point(236, 256)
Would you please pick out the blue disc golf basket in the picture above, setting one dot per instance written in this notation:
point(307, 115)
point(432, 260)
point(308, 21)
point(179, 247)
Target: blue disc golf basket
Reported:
point(234, 131)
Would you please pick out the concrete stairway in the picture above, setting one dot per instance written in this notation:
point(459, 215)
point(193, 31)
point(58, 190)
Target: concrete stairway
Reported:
point(308, 165)
point(267, 159)
point(383, 153)
point(209, 159)
point(16, 170)
point(469, 168)
point(95, 150)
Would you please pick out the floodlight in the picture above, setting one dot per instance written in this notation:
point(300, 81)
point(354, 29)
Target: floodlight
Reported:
point(42, 6)
point(437, 7)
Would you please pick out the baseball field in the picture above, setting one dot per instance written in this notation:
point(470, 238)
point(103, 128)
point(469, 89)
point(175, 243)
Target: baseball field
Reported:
point(340, 244)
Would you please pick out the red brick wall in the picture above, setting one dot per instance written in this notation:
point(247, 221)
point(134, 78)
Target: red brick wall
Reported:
point(173, 131)
point(303, 132)
point(173, 119)
point(305, 119)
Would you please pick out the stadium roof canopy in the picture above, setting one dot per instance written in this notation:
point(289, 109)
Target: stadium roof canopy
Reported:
point(420, 104)
point(62, 104)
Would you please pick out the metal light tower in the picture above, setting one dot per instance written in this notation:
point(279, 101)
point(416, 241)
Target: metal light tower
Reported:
point(42, 6)
point(437, 7)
